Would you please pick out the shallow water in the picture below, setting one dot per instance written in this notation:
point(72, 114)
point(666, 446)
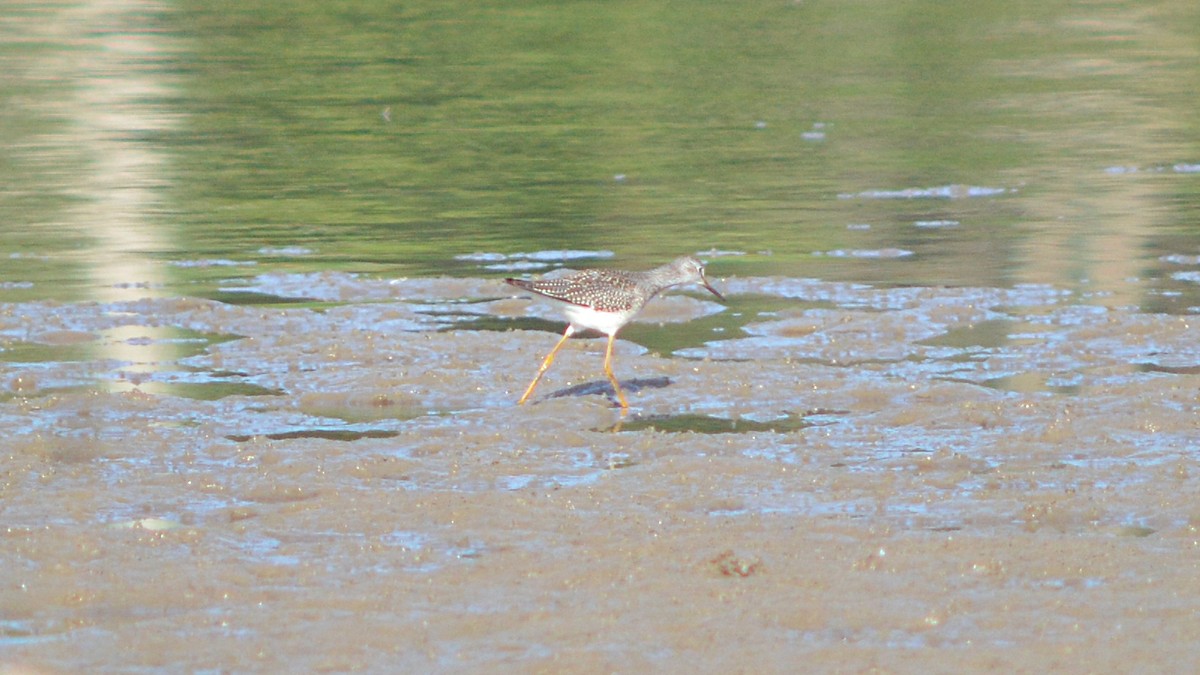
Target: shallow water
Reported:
point(899, 474)
point(258, 369)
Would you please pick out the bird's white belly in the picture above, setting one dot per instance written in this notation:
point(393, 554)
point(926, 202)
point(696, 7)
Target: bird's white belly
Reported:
point(586, 317)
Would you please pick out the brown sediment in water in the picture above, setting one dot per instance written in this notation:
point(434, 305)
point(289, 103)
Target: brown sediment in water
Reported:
point(959, 479)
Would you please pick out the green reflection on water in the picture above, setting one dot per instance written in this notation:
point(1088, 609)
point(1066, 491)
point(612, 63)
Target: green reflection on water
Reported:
point(707, 424)
point(208, 391)
point(388, 138)
point(394, 137)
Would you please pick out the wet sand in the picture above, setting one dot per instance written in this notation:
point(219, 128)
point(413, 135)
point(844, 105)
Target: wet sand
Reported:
point(859, 480)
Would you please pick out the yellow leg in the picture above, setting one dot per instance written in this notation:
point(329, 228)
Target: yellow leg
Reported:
point(546, 365)
point(609, 372)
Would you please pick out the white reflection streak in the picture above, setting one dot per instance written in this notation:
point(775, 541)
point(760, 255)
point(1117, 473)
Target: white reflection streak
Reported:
point(112, 108)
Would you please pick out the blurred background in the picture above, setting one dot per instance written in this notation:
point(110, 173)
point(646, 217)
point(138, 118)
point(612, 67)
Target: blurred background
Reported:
point(170, 148)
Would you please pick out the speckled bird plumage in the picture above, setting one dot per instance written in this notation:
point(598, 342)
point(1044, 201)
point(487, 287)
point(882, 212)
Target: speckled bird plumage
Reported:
point(606, 300)
point(603, 290)
point(617, 291)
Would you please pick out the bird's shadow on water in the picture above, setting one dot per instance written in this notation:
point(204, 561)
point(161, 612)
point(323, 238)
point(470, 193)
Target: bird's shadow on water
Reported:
point(605, 388)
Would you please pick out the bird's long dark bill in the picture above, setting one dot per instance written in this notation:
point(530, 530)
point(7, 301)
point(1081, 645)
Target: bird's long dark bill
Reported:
point(704, 282)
